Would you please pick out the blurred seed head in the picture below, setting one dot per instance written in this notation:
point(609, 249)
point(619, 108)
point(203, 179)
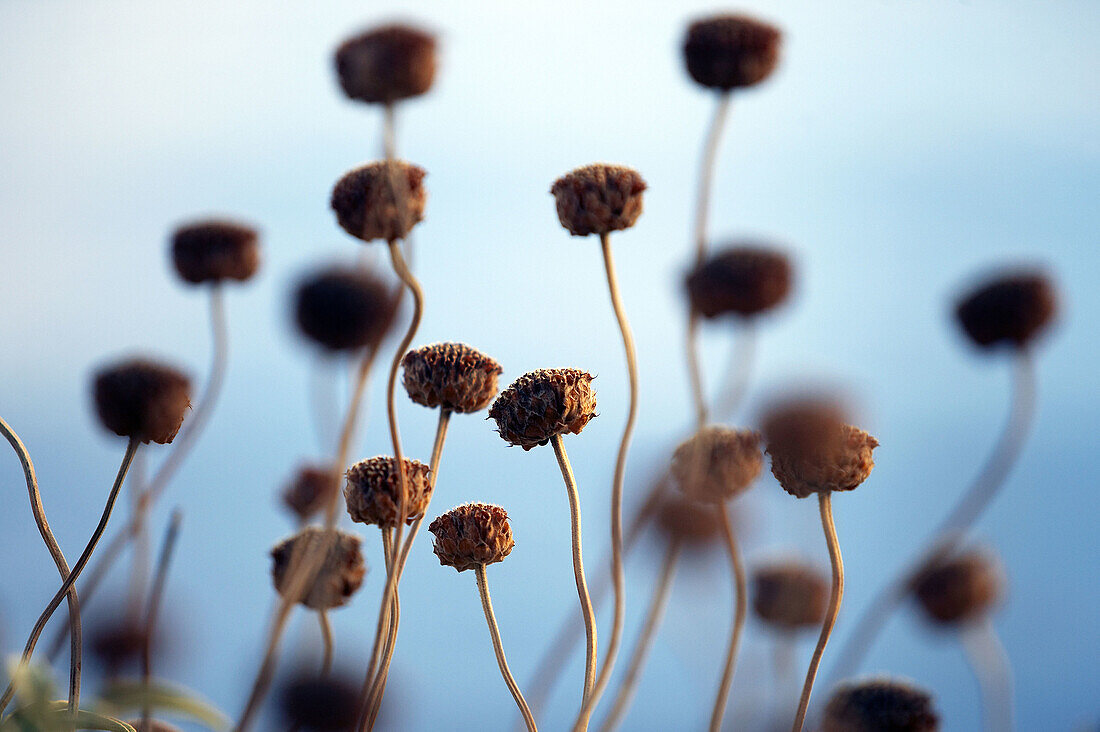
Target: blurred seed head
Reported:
point(343, 308)
point(373, 489)
point(212, 251)
point(310, 490)
point(731, 51)
point(453, 376)
point(879, 705)
point(694, 524)
point(959, 588)
point(328, 704)
point(598, 199)
point(743, 280)
point(717, 463)
point(338, 577)
point(117, 643)
point(381, 200)
point(790, 595)
point(471, 535)
point(387, 64)
point(1011, 308)
point(142, 399)
point(544, 403)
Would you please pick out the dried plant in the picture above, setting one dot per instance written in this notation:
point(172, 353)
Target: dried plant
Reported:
point(878, 705)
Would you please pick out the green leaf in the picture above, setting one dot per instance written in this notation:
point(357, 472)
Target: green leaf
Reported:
point(32, 682)
point(55, 716)
point(136, 696)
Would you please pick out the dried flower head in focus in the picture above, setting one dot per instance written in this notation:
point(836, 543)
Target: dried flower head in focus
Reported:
point(381, 200)
point(373, 490)
point(790, 595)
point(330, 704)
point(879, 705)
point(598, 199)
point(212, 251)
point(717, 463)
point(744, 281)
point(310, 490)
point(386, 64)
point(687, 521)
point(959, 588)
point(731, 51)
point(141, 399)
point(1009, 309)
point(339, 576)
point(471, 535)
point(544, 403)
point(452, 376)
point(343, 308)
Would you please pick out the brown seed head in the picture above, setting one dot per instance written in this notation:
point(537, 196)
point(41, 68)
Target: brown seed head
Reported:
point(329, 704)
point(959, 588)
point(310, 490)
point(472, 535)
point(598, 199)
point(373, 490)
point(544, 403)
point(142, 400)
point(717, 463)
point(212, 251)
point(880, 705)
point(790, 595)
point(1010, 309)
point(386, 64)
point(742, 280)
point(452, 376)
point(688, 521)
point(117, 643)
point(338, 577)
point(382, 200)
point(731, 51)
point(343, 308)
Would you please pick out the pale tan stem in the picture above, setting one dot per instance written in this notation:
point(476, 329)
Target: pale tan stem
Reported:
point(267, 666)
point(139, 557)
point(826, 506)
point(326, 642)
point(389, 131)
point(740, 370)
point(695, 373)
point(347, 431)
point(498, 647)
point(156, 595)
point(740, 589)
point(993, 670)
point(378, 688)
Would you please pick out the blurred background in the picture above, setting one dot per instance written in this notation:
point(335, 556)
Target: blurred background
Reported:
point(900, 150)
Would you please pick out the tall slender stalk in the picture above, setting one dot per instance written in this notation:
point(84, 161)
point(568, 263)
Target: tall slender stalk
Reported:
point(740, 610)
point(326, 642)
point(993, 670)
point(156, 594)
point(498, 647)
point(737, 378)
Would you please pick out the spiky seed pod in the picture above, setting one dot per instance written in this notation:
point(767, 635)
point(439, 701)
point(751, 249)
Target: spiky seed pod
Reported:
point(742, 280)
point(212, 251)
point(343, 308)
point(381, 200)
point(338, 577)
point(790, 595)
point(717, 463)
point(1009, 309)
point(544, 403)
point(310, 490)
point(373, 489)
point(731, 51)
point(471, 535)
point(598, 199)
point(688, 521)
point(142, 400)
point(959, 588)
point(453, 376)
point(880, 705)
point(386, 64)
point(155, 725)
point(329, 704)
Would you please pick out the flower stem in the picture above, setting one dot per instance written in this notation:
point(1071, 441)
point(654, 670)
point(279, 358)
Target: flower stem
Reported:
point(740, 369)
point(498, 647)
point(740, 610)
point(989, 661)
point(156, 594)
point(326, 642)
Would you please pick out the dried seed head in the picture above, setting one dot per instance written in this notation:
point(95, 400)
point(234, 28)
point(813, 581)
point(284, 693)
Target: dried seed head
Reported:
point(343, 308)
point(731, 51)
point(688, 521)
point(452, 376)
point(338, 577)
point(743, 280)
point(312, 703)
point(117, 643)
point(790, 595)
point(373, 490)
point(1010, 309)
point(880, 705)
point(212, 251)
point(598, 199)
point(544, 403)
point(717, 463)
point(472, 535)
point(959, 588)
point(386, 64)
point(142, 400)
point(382, 200)
point(310, 491)
point(154, 725)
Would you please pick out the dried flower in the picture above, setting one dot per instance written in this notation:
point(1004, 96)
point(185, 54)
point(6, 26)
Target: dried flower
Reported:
point(544, 403)
point(452, 376)
point(211, 251)
point(310, 490)
point(343, 308)
point(338, 577)
point(598, 199)
point(880, 705)
point(790, 595)
point(471, 535)
point(731, 51)
point(373, 490)
point(382, 200)
point(142, 400)
point(386, 64)
point(743, 280)
point(717, 463)
point(117, 642)
point(688, 521)
point(321, 704)
point(1012, 308)
point(959, 588)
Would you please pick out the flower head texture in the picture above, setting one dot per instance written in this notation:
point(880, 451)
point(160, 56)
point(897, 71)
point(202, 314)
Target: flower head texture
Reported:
point(731, 51)
point(339, 576)
point(598, 199)
point(717, 463)
point(790, 595)
point(880, 705)
point(372, 491)
point(813, 451)
point(452, 376)
point(142, 400)
point(1011, 309)
point(386, 64)
point(381, 200)
point(690, 522)
point(343, 308)
point(959, 588)
point(471, 535)
point(212, 251)
point(743, 280)
point(544, 403)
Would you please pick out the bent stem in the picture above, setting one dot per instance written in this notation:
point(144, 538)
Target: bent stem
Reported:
point(326, 642)
point(991, 666)
point(498, 647)
point(740, 610)
point(737, 378)
point(156, 594)
point(390, 620)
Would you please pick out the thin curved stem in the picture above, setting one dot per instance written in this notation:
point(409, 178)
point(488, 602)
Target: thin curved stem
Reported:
point(644, 644)
point(39, 512)
point(740, 371)
point(347, 431)
point(326, 642)
point(378, 689)
point(139, 557)
point(695, 372)
point(156, 594)
point(389, 131)
point(826, 506)
point(993, 670)
point(498, 647)
point(738, 625)
point(267, 666)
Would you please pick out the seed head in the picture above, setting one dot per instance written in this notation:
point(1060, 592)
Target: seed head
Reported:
point(373, 490)
point(310, 490)
point(959, 588)
point(717, 463)
point(731, 51)
point(338, 577)
point(212, 251)
point(880, 705)
point(386, 64)
point(329, 704)
point(452, 376)
point(142, 400)
point(743, 280)
point(598, 199)
point(382, 200)
point(790, 595)
point(472, 534)
point(688, 521)
point(343, 308)
point(117, 643)
point(1009, 309)
point(544, 403)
